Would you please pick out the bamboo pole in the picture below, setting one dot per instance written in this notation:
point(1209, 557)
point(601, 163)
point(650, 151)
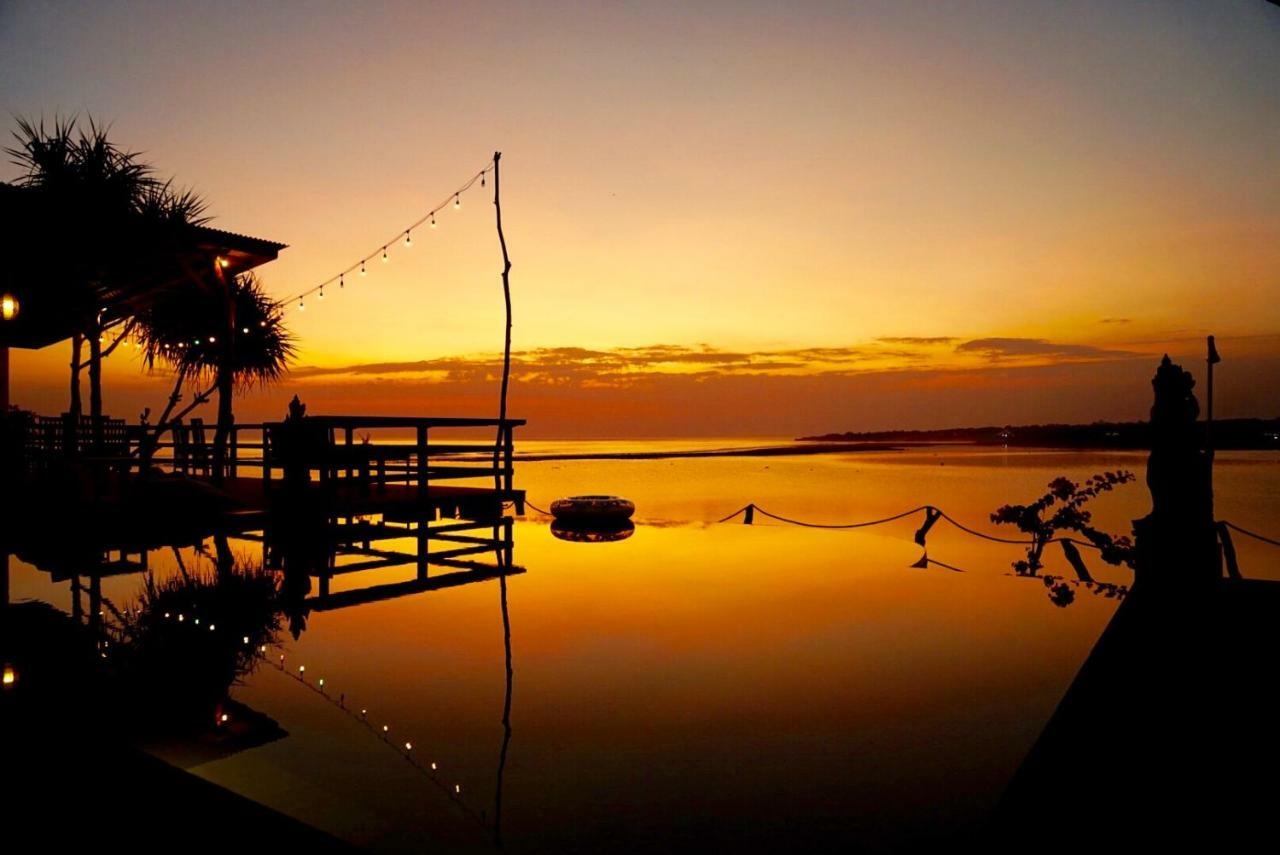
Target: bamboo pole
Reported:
point(498, 443)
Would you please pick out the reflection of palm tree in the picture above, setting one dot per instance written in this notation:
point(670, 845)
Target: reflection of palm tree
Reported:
point(190, 638)
point(188, 328)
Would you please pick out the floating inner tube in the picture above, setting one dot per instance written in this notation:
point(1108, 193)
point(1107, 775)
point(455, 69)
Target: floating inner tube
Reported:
point(593, 510)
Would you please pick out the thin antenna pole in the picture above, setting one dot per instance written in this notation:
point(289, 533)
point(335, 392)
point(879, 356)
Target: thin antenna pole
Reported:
point(499, 443)
point(1212, 359)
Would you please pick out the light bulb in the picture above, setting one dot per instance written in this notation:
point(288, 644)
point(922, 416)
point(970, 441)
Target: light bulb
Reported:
point(408, 746)
point(433, 219)
point(321, 292)
point(457, 201)
point(408, 241)
point(213, 339)
point(481, 179)
point(342, 280)
point(384, 255)
point(362, 270)
point(244, 330)
point(302, 307)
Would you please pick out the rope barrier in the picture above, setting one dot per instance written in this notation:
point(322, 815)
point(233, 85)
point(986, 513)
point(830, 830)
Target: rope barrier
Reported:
point(1252, 534)
point(844, 525)
point(747, 509)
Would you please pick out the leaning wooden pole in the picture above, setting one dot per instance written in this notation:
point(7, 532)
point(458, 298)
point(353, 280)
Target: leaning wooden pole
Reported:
point(500, 441)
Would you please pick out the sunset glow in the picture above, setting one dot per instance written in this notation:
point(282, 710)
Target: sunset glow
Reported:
point(733, 203)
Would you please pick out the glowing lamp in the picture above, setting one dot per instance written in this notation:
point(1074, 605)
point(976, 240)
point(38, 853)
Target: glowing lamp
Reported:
point(223, 262)
point(10, 676)
point(408, 746)
point(9, 307)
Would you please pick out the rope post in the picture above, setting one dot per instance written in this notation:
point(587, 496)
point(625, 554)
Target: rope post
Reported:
point(931, 516)
point(1077, 563)
point(749, 515)
point(1228, 551)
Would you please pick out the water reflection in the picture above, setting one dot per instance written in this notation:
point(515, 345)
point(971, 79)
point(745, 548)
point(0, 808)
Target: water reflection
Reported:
point(593, 534)
point(165, 662)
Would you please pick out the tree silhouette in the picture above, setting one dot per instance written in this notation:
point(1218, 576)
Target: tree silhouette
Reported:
point(1066, 500)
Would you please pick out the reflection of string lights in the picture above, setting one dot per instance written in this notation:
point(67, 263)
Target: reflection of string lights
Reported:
point(428, 770)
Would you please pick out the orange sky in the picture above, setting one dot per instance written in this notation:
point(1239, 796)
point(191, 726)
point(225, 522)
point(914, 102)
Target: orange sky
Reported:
point(729, 219)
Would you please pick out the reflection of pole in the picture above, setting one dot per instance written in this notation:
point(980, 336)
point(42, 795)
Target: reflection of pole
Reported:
point(506, 715)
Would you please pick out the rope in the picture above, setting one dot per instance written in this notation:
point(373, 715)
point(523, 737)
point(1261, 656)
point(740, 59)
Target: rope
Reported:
point(845, 525)
point(883, 520)
point(538, 509)
point(1252, 534)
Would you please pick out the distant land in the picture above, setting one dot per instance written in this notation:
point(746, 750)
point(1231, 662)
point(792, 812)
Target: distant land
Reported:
point(1228, 434)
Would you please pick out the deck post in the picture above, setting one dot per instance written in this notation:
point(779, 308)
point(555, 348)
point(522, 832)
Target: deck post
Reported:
point(422, 458)
point(350, 432)
point(1228, 551)
point(235, 451)
point(508, 455)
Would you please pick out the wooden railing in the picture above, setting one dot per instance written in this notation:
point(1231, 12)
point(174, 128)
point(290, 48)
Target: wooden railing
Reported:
point(378, 450)
point(385, 450)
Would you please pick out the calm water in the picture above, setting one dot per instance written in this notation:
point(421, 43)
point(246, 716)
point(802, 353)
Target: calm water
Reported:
point(701, 682)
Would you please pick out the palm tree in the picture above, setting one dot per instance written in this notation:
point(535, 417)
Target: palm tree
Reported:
point(187, 328)
point(117, 225)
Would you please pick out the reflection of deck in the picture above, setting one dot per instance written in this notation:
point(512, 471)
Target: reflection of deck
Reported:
point(375, 593)
point(354, 498)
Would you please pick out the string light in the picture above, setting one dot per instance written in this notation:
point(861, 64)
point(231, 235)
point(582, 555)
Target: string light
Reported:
point(407, 233)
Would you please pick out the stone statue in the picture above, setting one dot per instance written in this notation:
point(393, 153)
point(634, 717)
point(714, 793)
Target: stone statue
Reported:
point(1177, 542)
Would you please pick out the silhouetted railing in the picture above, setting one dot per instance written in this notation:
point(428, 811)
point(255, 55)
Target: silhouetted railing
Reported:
point(376, 450)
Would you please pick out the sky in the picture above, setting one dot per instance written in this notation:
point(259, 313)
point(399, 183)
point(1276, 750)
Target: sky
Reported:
point(724, 218)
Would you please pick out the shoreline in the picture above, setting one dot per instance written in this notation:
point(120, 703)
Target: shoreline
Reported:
point(759, 451)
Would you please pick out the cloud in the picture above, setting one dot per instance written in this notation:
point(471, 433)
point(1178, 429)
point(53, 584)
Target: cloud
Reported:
point(924, 340)
point(1016, 348)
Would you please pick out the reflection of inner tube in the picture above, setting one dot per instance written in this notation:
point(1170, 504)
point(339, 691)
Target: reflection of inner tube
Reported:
point(593, 534)
point(593, 511)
